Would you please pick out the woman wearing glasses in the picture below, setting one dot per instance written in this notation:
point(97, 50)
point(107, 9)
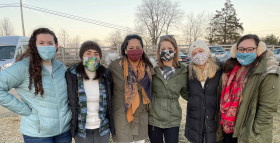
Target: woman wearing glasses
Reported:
point(250, 93)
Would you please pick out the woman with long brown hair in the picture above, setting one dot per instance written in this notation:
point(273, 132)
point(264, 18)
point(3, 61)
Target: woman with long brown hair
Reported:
point(132, 78)
point(250, 94)
point(89, 91)
point(40, 82)
point(169, 83)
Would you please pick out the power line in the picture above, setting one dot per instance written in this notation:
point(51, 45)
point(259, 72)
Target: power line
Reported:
point(9, 5)
point(77, 18)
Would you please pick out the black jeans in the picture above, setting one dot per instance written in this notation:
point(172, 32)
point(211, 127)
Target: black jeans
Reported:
point(156, 134)
point(92, 136)
point(229, 139)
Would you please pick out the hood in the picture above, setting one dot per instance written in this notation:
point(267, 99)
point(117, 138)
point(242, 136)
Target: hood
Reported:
point(268, 64)
point(272, 64)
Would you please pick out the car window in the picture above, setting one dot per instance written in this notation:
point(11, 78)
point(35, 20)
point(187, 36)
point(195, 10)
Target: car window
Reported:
point(181, 54)
point(216, 49)
point(7, 52)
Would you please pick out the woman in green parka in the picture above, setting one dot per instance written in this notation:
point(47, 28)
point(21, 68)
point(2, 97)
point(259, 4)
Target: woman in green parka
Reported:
point(250, 94)
point(169, 82)
point(132, 78)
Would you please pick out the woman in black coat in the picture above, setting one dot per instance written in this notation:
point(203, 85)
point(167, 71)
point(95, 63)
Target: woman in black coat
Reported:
point(90, 97)
point(203, 81)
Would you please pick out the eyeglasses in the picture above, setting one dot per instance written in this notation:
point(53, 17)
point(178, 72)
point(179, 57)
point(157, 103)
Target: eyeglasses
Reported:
point(248, 50)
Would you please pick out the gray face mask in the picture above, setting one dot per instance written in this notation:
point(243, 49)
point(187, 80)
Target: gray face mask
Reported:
point(166, 55)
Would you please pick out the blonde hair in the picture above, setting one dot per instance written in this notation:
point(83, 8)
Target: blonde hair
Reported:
point(176, 55)
point(209, 70)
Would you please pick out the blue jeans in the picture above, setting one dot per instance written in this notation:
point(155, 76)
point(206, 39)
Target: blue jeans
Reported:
point(62, 138)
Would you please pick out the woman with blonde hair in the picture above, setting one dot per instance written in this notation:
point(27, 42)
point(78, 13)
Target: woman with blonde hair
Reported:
point(169, 83)
point(203, 81)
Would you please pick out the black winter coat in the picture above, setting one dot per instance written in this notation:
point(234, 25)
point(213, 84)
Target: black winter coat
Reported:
point(72, 89)
point(202, 109)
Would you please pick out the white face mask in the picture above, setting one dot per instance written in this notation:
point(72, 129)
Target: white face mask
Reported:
point(200, 58)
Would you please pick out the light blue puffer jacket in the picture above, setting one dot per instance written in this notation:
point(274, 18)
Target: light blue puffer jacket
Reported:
point(45, 116)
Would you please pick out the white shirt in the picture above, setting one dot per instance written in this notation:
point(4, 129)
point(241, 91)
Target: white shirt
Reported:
point(92, 92)
point(202, 84)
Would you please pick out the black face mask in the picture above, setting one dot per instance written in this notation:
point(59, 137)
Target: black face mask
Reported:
point(166, 55)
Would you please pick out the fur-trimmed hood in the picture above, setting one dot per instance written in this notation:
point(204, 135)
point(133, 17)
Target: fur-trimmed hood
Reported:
point(268, 64)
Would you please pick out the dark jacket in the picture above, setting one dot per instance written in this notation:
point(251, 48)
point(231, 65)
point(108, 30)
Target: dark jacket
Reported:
point(72, 89)
point(202, 109)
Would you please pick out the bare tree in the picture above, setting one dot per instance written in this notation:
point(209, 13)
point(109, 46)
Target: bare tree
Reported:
point(75, 42)
point(6, 27)
point(64, 38)
point(195, 26)
point(157, 16)
point(116, 38)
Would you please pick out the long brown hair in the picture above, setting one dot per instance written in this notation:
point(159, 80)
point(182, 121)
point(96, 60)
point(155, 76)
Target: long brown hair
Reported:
point(35, 67)
point(174, 44)
point(124, 47)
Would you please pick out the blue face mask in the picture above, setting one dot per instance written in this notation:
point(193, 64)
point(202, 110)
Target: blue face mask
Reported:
point(246, 58)
point(46, 52)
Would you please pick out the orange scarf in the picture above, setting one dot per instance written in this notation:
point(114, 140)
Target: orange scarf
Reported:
point(132, 98)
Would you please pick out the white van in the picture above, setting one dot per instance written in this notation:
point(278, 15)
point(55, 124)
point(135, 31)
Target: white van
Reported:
point(11, 47)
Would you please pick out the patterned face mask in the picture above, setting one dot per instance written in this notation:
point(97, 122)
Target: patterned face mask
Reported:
point(166, 55)
point(200, 58)
point(91, 63)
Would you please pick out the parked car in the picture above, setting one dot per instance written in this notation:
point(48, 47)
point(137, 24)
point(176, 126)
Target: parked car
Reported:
point(11, 47)
point(184, 58)
point(276, 53)
point(219, 52)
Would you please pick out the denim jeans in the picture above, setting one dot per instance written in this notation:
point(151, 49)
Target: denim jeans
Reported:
point(62, 138)
point(92, 136)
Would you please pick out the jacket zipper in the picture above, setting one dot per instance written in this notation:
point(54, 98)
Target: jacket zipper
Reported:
point(39, 126)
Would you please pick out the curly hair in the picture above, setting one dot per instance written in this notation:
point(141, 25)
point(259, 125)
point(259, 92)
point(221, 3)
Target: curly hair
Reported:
point(35, 67)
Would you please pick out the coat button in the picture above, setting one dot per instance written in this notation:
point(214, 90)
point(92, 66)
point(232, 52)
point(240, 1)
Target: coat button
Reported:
point(207, 117)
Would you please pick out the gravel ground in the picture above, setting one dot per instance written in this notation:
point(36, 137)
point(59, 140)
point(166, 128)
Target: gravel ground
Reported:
point(10, 122)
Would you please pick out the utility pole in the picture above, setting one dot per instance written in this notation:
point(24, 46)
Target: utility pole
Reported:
point(22, 22)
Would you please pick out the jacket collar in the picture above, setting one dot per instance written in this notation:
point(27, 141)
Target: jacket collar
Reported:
point(181, 69)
